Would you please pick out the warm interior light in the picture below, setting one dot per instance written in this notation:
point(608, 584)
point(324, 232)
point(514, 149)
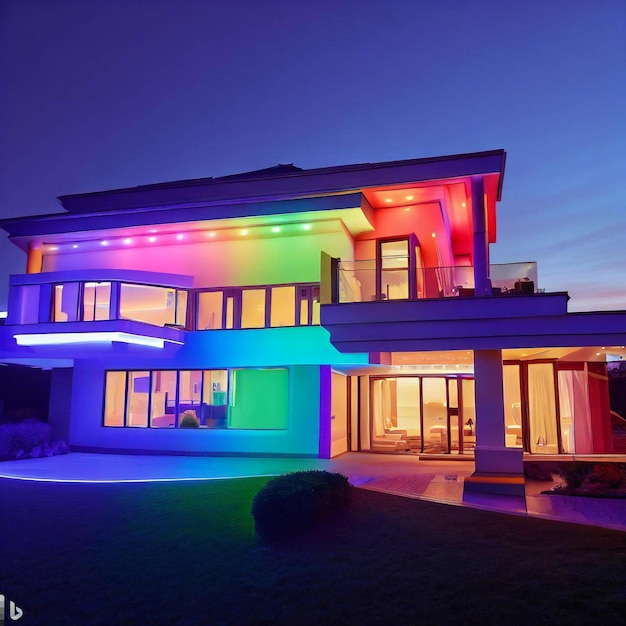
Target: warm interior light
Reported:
point(53, 248)
point(408, 209)
point(463, 204)
point(211, 234)
point(434, 235)
point(276, 229)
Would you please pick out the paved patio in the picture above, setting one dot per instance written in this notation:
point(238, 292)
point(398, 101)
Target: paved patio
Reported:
point(408, 476)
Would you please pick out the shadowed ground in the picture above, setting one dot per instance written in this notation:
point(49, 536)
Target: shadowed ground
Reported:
point(186, 553)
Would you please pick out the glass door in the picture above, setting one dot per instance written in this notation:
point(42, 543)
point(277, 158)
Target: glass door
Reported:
point(393, 270)
point(435, 412)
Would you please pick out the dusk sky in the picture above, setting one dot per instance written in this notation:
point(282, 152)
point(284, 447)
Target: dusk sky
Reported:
point(102, 94)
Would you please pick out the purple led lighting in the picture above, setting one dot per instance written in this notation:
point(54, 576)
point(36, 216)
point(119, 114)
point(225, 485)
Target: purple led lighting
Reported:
point(130, 480)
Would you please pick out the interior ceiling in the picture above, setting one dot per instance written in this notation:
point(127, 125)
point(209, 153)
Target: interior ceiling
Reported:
point(596, 353)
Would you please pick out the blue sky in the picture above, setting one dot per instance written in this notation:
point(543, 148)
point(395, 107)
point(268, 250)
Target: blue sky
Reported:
point(106, 93)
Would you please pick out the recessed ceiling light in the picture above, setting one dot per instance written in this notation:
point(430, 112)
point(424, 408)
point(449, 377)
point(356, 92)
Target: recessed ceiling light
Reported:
point(152, 239)
point(463, 204)
point(276, 229)
point(128, 241)
point(597, 354)
point(75, 246)
point(154, 230)
point(408, 208)
point(211, 234)
point(244, 231)
point(104, 243)
point(180, 237)
point(53, 248)
point(306, 226)
point(387, 199)
point(434, 235)
point(409, 197)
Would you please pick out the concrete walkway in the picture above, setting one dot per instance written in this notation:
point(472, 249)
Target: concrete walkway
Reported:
point(403, 475)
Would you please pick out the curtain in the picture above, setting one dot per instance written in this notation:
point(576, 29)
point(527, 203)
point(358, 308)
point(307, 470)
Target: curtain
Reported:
point(542, 409)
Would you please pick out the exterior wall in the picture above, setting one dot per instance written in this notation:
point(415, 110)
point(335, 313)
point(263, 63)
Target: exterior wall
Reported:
point(339, 415)
point(302, 350)
point(60, 403)
point(301, 438)
point(221, 264)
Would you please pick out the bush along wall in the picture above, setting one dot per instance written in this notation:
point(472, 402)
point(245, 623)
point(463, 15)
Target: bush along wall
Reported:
point(291, 503)
point(597, 480)
point(28, 439)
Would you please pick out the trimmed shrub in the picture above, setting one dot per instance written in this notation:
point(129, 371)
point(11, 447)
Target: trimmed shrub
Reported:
point(291, 503)
point(598, 480)
point(189, 420)
point(574, 473)
point(23, 436)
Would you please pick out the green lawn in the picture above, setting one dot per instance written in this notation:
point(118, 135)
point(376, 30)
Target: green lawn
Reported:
point(186, 553)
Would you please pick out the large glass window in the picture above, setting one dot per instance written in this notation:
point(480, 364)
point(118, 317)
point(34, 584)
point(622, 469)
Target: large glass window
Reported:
point(512, 406)
point(210, 305)
point(96, 301)
point(283, 312)
point(138, 394)
point(163, 399)
point(158, 306)
point(253, 308)
point(435, 415)
point(65, 307)
point(542, 409)
point(115, 399)
point(219, 399)
point(394, 269)
point(574, 412)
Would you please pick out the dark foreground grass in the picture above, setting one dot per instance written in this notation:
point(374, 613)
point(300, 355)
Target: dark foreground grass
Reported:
point(186, 553)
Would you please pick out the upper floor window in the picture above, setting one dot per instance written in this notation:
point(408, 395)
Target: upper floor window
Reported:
point(258, 307)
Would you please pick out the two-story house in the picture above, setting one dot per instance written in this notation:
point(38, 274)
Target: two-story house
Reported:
point(307, 312)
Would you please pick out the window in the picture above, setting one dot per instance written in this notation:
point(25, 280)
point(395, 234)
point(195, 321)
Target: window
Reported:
point(152, 305)
point(252, 399)
point(258, 307)
point(210, 306)
point(283, 312)
point(253, 308)
point(65, 302)
point(96, 301)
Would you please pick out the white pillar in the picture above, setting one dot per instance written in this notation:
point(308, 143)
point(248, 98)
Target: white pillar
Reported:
point(491, 454)
point(482, 285)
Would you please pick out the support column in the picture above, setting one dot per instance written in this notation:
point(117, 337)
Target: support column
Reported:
point(498, 469)
point(482, 284)
point(34, 261)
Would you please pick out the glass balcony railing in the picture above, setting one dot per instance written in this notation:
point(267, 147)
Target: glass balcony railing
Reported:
point(364, 281)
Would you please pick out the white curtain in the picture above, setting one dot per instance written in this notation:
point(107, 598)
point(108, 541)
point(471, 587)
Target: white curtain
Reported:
point(542, 409)
point(575, 412)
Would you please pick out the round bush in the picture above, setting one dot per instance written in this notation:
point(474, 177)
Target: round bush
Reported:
point(293, 502)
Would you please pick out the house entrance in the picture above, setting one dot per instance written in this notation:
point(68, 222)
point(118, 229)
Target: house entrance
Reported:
point(423, 414)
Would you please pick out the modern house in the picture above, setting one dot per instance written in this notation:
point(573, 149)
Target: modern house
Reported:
point(307, 312)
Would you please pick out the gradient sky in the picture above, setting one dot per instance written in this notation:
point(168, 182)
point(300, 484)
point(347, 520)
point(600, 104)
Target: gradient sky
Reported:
point(101, 94)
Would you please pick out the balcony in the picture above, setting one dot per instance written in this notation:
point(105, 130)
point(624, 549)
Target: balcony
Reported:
point(100, 308)
point(389, 307)
point(364, 281)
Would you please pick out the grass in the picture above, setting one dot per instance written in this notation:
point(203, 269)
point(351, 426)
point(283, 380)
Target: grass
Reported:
point(186, 553)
